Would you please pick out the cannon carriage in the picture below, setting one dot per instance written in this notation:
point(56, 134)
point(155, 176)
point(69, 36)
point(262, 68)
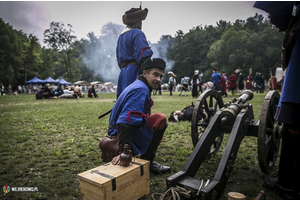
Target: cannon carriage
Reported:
point(211, 120)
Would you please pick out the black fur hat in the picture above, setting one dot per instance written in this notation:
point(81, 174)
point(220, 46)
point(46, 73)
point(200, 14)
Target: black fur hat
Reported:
point(155, 63)
point(134, 14)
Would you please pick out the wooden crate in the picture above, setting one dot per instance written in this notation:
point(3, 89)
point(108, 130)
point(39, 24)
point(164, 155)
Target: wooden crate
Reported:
point(110, 181)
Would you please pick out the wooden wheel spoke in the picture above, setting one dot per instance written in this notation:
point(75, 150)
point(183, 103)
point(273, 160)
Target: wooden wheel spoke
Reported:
point(269, 147)
point(211, 99)
point(206, 107)
point(209, 102)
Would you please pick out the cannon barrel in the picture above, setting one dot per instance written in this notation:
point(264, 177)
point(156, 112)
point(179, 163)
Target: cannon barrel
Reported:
point(231, 110)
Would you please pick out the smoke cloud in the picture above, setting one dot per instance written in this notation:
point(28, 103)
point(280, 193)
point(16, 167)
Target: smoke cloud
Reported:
point(100, 52)
point(160, 50)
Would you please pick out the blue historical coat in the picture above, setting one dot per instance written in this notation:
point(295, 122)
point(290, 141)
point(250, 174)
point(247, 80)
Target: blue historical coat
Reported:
point(132, 46)
point(291, 87)
point(132, 108)
point(216, 77)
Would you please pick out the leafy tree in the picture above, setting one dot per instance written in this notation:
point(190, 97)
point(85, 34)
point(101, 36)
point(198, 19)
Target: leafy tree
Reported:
point(10, 54)
point(251, 44)
point(189, 51)
point(50, 63)
point(32, 60)
point(61, 39)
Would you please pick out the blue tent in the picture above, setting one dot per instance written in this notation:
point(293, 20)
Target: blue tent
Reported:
point(63, 82)
point(51, 80)
point(35, 80)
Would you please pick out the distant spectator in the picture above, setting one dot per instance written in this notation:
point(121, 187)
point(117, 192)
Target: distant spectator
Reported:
point(67, 90)
point(59, 91)
point(19, 89)
point(9, 89)
point(92, 92)
point(241, 81)
point(224, 74)
point(216, 79)
point(185, 85)
point(172, 82)
point(257, 80)
point(232, 82)
point(157, 89)
point(78, 91)
point(272, 83)
point(2, 89)
point(249, 82)
point(224, 88)
point(47, 91)
point(195, 82)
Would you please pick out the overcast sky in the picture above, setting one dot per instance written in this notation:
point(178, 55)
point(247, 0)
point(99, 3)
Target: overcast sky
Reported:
point(164, 17)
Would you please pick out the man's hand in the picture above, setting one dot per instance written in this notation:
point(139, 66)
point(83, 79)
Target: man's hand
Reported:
point(116, 160)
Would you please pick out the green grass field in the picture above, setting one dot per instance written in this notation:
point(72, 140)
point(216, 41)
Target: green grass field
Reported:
point(46, 143)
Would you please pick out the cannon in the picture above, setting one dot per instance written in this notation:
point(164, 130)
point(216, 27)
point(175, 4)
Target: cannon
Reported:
point(211, 120)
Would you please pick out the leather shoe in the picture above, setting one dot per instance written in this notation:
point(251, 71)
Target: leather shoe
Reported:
point(158, 168)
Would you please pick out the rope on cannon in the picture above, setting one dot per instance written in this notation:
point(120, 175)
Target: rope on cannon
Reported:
point(175, 193)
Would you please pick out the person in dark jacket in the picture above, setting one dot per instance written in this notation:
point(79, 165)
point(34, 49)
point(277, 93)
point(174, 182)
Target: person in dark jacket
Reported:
point(195, 82)
point(92, 92)
point(59, 91)
point(285, 16)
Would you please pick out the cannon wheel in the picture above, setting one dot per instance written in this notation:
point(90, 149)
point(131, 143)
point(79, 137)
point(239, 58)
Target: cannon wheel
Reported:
point(268, 146)
point(208, 103)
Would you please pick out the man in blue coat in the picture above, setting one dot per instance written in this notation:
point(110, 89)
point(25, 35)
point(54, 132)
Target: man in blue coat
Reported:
point(131, 118)
point(285, 16)
point(216, 78)
point(132, 48)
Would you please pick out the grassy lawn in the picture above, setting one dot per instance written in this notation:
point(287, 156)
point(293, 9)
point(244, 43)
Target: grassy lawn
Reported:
point(46, 143)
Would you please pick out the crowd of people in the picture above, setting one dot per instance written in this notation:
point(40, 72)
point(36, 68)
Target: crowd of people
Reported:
point(57, 90)
point(236, 82)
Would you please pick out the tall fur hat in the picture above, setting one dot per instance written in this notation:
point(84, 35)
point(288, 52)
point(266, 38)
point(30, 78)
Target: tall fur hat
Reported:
point(155, 63)
point(134, 14)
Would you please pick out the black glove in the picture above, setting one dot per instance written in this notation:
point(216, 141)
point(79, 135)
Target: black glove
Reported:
point(125, 133)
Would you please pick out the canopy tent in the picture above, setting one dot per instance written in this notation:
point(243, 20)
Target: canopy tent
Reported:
point(63, 82)
point(51, 80)
point(81, 83)
point(95, 82)
point(109, 83)
point(35, 80)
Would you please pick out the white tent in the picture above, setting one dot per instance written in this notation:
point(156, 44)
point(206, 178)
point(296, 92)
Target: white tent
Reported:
point(95, 82)
point(81, 83)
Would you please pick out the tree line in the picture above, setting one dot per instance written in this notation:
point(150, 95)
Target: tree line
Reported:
point(251, 43)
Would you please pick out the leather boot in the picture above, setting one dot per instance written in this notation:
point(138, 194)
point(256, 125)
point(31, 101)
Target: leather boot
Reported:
point(150, 153)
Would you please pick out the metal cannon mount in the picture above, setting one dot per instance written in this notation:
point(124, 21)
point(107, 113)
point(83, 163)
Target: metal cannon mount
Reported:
point(211, 119)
